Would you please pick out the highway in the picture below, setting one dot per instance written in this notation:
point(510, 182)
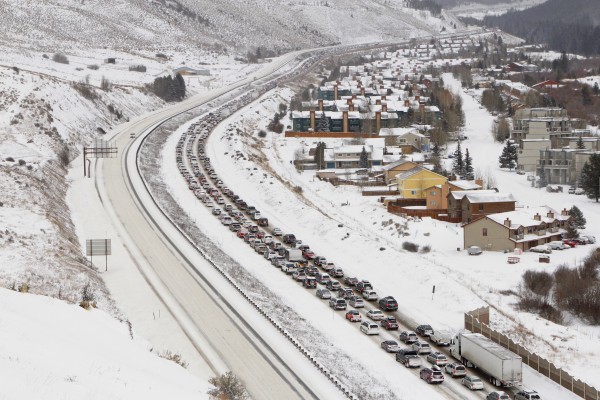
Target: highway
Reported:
point(173, 267)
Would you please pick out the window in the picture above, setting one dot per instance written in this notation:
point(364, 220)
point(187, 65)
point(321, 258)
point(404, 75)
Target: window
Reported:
point(432, 193)
point(432, 203)
point(484, 231)
point(480, 207)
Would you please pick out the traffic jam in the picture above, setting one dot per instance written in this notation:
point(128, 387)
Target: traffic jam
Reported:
point(421, 348)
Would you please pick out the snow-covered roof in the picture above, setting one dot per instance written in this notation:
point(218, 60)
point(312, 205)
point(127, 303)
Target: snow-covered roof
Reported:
point(465, 185)
point(525, 217)
point(395, 164)
point(355, 149)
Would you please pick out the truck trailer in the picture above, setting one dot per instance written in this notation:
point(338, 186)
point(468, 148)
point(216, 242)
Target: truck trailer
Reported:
point(503, 367)
point(294, 255)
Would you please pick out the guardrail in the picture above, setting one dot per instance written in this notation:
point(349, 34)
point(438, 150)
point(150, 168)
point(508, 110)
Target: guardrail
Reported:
point(541, 365)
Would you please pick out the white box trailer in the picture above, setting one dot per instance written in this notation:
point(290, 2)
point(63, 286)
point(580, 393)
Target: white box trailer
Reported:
point(503, 367)
point(294, 255)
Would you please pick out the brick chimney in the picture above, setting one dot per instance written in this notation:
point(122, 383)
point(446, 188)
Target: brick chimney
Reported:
point(348, 101)
point(345, 121)
point(564, 212)
point(384, 97)
point(507, 222)
point(335, 92)
point(384, 108)
point(550, 215)
point(353, 96)
point(406, 103)
point(417, 98)
point(422, 108)
point(351, 107)
point(537, 217)
point(312, 120)
point(378, 102)
point(405, 77)
point(321, 105)
point(362, 91)
point(377, 121)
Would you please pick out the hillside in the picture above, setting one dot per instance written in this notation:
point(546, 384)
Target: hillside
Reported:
point(572, 26)
point(53, 350)
point(136, 25)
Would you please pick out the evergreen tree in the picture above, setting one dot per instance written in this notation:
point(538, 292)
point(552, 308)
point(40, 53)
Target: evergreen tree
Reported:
point(458, 163)
point(435, 159)
point(363, 162)
point(181, 86)
point(571, 232)
point(508, 158)
point(320, 155)
point(590, 175)
point(543, 181)
point(323, 124)
point(596, 89)
point(468, 173)
point(580, 144)
point(577, 218)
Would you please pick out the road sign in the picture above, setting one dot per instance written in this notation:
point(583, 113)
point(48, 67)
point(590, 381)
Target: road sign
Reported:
point(98, 247)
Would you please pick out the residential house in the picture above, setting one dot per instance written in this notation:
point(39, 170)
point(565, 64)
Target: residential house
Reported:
point(190, 71)
point(529, 153)
point(437, 196)
point(391, 170)
point(413, 183)
point(349, 156)
point(469, 205)
point(521, 229)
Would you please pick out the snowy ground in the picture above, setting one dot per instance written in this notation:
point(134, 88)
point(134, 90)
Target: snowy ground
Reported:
point(54, 350)
point(462, 283)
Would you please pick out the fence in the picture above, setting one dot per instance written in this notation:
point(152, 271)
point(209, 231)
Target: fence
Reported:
point(379, 192)
point(543, 366)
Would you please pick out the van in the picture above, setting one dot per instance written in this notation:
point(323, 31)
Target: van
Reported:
point(369, 328)
point(441, 337)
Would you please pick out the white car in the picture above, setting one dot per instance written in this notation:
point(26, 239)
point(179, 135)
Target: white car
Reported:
point(421, 347)
point(277, 232)
point(474, 250)
point(376, 315)
point(542, 248)
point(370, 295)
point(557, 245)
point(369, 328)
point(472, 382)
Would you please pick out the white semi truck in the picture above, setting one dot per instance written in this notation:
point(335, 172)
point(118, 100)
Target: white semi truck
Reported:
point(503, 367)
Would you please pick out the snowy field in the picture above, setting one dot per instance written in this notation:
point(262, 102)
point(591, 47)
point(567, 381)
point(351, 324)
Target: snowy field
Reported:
point(54, 350)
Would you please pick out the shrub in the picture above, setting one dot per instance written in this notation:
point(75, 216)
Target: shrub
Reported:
point(137, 68)
point(298, 189)
point(85, 90)
point(425, 249)
point(16, 69)
point(60, 58)
point(227, 387)
point(105, 84)
point(22, 162)
point(409, 246)
point(539, 283)
point(161, 55)
point(45, 56)
point(262, 134)
point(176, 358)
point(10, 159)
point(94, 67)
point(63, 156)
point(87, 297)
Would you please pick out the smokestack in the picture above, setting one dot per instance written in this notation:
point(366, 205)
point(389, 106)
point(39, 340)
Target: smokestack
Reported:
point(312, 120)
point(377, 121)
point(345, 121)
point(321, 105)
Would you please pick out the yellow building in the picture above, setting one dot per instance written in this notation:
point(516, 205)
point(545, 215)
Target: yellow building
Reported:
point(413, 183)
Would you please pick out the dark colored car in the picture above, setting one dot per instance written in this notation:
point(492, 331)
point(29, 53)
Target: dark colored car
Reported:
point(424, 330)
point(389, 323)
point(309, 283)
point(363, 285)
point(432, 375)
point(388, 304)
point(350, 281)
point(409, 357)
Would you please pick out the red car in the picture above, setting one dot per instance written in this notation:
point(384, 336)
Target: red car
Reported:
point(242, 233)
point(353, 316)
point(308, 254)
point(389, 323)
point(570, 242)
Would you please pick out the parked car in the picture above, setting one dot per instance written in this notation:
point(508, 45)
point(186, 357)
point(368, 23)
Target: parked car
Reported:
point(432, 375)
point(389, 323)
point(581, 240)
point(472, 382)
point(591, 238)
point(409, 357)
point(276, 232)
point(542, 248)
point(391, 346)
point(557, 245)
point(369, 295)
point(527, 395)
point(376, 315)
point(572, 190)
point(337, 304)
point(323, 294)
point(353, 316)
point(455, 369)
point(437, 358)
point(569, 242)
point(408, 337)
point(388, 304)
point(369, 328)
point(424, 330)
point(350, 281)
point(474, 250)
point(421, 347)
point(500, 395)
point(356, 302)
point(579, 191)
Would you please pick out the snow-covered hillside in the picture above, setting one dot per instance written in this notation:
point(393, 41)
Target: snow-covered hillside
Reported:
point(54, 350)
point(136, 25)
